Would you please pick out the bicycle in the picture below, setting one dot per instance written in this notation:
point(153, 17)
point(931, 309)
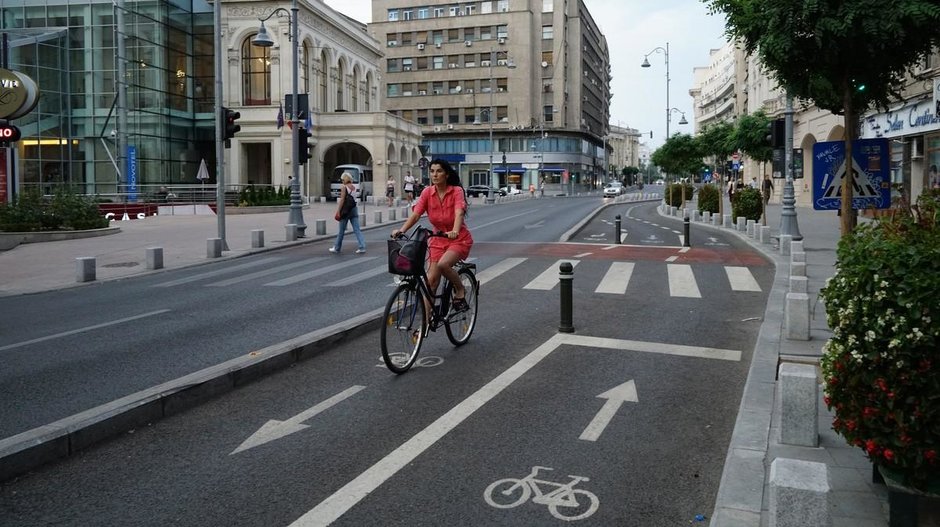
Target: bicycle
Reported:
point(562, 501)
point(406, 321)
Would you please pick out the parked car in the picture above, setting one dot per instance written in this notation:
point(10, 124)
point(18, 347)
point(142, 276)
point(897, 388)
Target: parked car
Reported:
point(483, 190)
point(511, 189)
point(613, 189)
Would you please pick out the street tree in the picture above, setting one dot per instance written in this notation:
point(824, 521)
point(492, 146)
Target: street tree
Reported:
point(717, 140)
point(680, 154)
point(750, 136)
point(842, 56)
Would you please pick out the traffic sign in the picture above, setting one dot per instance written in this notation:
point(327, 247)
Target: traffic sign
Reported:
point(9, 133)
point(423, 162)
point(869, 170)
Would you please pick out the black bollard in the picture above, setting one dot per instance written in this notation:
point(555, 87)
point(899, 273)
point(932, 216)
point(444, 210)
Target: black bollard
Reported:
point(617, 228)
point(566, 280)
point(685, 227)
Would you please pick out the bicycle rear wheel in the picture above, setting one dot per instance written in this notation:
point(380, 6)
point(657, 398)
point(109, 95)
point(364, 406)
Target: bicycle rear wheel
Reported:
point(403, 328)
point(460, 325)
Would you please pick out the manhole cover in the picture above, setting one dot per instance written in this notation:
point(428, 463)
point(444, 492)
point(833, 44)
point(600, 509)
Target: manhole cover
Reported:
point(122, 264)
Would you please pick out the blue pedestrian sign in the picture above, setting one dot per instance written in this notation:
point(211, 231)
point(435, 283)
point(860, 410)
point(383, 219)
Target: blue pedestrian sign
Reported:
point(869, 170)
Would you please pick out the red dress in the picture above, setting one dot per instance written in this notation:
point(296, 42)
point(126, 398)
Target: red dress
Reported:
point(441, 215)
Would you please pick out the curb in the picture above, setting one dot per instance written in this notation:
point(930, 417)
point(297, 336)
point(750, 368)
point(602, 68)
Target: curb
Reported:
point(66, 437)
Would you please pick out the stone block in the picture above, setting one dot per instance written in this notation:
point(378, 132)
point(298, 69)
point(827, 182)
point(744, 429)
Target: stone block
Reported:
point(362, 220)
point(785, 241)
point(764, 234)
point(257, 238)
point(707, 217)
point(377, 217)
point(741, 224)
point(798, 269)
point(796, 246)
point(799, 494)
point(85, 269)
point(322, 199)
point(799, 284)
point(154, 257)
point(750, 227)
point(321, 227)
point(213, 247)
point(797, 316)
point(290, 232)
point(796, 256)
point(799, 405)
point(716, 219)
point(392, 215)
point(727, 221)
point(696, 215)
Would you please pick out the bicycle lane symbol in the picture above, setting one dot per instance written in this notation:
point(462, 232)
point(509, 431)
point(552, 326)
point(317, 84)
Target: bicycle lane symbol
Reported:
point(564, 501)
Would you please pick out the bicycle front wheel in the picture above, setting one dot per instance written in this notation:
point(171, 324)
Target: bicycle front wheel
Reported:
point(403, 328)
point(460, 325)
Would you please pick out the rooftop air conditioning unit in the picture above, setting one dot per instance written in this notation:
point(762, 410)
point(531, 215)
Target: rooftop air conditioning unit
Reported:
point(420, 46)
point(469, 90)
point(450, 127)
point(501, 62)
point(437, 128)
point(500, 89)
point(438, 45)
point(468, 43)
point(407, 68)
point(422, 92)
point(392, 43)
point(544, 64)
point(451, 65)
point(485, 63)
point(502, 40)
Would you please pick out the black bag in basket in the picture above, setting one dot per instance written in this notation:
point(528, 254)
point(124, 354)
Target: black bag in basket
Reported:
point(406, 256)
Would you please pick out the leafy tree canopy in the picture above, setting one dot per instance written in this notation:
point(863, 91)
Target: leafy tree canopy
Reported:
point(680, 154)
point(717, 140)
point(750, 136)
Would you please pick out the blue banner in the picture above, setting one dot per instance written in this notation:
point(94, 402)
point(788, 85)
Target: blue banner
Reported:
point(869, 170)
point(131, 172)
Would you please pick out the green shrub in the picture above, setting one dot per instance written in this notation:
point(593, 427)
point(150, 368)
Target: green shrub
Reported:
point(252, 196)
point(708, 196)
point(673, 193)
point(747, 202)
point(66, 210)
point(881, 366)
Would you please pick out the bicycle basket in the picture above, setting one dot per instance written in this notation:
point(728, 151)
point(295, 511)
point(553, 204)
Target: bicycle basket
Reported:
point(406, 257)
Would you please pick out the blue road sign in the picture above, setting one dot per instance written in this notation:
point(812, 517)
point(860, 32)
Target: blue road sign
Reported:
point(869, 169)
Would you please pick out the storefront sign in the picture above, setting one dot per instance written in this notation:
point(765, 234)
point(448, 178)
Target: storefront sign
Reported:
point(869, 170)
point(18, 94)
point(917, 118)
point(131, 173)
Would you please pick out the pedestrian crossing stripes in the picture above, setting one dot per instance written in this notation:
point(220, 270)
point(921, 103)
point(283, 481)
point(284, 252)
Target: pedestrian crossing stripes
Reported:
point(615, 276)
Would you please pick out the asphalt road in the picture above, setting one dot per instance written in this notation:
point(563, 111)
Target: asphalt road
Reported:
point(633, 411)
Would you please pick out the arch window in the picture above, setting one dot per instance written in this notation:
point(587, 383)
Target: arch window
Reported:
point(305, 68)
point(256, 74)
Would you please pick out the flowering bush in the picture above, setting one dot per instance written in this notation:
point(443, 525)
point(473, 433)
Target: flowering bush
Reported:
point(882, 365)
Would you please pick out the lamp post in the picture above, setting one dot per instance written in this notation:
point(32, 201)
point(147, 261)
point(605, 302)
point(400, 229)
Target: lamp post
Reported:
point(262, 39)
point(493, 179)
point(646, 64)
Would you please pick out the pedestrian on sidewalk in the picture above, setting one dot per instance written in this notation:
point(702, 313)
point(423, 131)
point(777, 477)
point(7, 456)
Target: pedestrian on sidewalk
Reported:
point(390, 190)
point(409, 187)
point(768, 188)
point(347, 212)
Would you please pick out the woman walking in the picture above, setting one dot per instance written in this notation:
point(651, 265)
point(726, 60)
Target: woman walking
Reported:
point(347, 211)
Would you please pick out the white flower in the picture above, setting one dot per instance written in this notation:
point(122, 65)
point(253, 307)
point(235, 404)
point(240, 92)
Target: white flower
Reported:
point(869, 336)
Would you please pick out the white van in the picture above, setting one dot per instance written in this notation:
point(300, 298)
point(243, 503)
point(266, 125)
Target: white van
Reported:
point(361, 178)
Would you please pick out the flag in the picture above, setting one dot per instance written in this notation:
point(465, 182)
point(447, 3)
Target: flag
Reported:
point(280, 116)
point(308, 122)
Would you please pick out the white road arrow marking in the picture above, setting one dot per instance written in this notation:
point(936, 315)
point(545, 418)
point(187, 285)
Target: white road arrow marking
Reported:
point(535, 225)
point(273, 429)
point(615, 398)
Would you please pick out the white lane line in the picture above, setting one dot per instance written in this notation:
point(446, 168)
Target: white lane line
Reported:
point(82, 330)
point(345, 264)
point(217, 272)
point(359, 276)
point(503, 219)
point(623, 237)
point(684, 249)
point(741, 279)
point(330, 509)
point(582, 255)
point(617, 278)
point(672, 258)
point(259, 274)
point(682, 281)
point(333, 507)
point(495, 271)
point(549, 277)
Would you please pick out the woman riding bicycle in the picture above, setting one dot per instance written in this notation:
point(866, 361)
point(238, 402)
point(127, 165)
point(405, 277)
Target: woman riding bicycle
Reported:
point(446, 204)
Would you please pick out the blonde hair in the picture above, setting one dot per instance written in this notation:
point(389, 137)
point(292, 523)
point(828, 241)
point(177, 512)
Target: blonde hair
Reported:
point(346, 177)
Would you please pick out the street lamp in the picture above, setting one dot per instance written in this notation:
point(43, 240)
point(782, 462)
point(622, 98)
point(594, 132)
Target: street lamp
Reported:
point(646, 64)
point(262, 39)
point(493, 180)
point(682, 120)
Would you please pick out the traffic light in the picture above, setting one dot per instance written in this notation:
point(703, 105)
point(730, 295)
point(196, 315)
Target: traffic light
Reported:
point(776, 132)
point(230, 127)
point(304, 146)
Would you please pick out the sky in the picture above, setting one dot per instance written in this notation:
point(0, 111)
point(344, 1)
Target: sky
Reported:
point(634, 28)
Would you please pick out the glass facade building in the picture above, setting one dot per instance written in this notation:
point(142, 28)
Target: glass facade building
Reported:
point(80, 134)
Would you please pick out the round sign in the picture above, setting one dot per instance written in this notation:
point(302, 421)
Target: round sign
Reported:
point(423, 162)
point(18, 94)
point(9, 133)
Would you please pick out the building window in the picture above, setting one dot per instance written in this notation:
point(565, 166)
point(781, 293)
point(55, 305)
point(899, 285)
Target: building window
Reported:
point(548, 6)
point(470, 33)
point(454, 10)
point(547, 32)
point(393, 15)
point(393, 90)
point(392, 65)
point(502, 6)
point(438, 88)
point(407, 64)
point(468, 10)
point(437, 37)
point(502, 31)
point(453, 35)
point(438, 63)
point(486, 33)
point(547, 57)
point(453, 116)
point(256, 74)
point(438, 116)
point(486, 7)
point(407, 14)
point(438, 13)
point(548, 112)
point(305, 68)
point(423, 13)
point(468, 115)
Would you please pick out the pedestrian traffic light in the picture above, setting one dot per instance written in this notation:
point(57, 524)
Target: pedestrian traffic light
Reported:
point(229, 126)
point(304, 146)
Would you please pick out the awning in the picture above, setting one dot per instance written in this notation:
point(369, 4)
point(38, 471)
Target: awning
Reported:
point(513, 169)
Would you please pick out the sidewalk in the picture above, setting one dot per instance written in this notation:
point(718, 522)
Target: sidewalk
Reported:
point(35, 267)
point(744, 493)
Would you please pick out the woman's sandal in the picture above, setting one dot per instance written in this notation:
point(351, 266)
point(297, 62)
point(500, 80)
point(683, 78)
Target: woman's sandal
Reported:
point(460, 305)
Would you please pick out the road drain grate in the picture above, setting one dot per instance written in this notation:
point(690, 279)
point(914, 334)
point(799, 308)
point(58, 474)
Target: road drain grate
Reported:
point(122, 264)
